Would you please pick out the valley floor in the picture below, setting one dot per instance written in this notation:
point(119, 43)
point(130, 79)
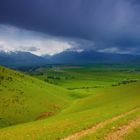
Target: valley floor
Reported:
point(107, 107)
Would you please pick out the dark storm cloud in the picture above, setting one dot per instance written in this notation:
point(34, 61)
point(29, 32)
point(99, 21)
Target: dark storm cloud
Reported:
point(107, 23)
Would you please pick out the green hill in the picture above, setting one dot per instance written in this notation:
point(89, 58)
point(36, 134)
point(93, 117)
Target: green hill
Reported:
point(24, 99)
point(102, 105)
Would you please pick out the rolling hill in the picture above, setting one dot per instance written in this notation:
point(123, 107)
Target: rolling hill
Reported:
point(24, 99)
point(110, 108)
point(31, 109)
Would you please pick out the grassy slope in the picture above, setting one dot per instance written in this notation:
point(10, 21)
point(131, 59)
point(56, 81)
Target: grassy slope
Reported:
point(83, 113)
point(23, 98)
point(134, 135)
point(100, 134)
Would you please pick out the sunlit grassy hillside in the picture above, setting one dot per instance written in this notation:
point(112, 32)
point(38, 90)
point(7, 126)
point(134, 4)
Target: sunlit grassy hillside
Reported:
point(134, 135)
point(23, 98)
point(80, 115)
point(95, 95)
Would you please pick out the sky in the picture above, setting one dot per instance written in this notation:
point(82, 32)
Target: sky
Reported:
point(52, 26)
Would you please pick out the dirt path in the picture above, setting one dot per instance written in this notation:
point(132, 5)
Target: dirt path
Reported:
point(82, 133)
point(118, 135)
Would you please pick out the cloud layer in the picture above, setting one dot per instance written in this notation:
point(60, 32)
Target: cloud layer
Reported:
point(16, 39)
point(109, 24)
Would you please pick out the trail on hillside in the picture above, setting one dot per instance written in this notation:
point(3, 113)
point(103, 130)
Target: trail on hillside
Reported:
point(125, 129)
point(91, 130)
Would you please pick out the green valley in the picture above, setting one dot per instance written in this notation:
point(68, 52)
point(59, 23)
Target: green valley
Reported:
point(88, 102)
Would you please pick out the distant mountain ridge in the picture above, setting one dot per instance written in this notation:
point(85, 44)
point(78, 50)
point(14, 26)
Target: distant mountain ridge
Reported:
point(20, 59)
point(73, 57)
point(26, 59)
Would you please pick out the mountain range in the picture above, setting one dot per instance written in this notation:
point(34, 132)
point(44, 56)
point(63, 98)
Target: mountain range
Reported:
point(89, 57)
point(26, 59)
point(20, 59)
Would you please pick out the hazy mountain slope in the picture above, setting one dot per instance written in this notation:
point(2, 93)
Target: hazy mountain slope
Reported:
point(85, 57)
point(23, 98)
point(21, 59)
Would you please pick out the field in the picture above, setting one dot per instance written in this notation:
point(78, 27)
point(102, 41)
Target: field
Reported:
point(86, 76)
point(86, 102)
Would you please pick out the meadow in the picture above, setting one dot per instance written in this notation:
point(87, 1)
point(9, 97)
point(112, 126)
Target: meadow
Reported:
point(87, 76)
point(69, 102)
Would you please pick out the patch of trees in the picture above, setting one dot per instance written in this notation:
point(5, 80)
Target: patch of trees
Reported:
point(127, 81)
point(54, 77)
point(19, 74)
point(86, 87)
point(1, 78)
point(9, 78)
point(59, 78)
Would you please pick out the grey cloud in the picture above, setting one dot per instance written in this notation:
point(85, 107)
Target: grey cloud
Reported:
point(105, 23)
point(29, 48)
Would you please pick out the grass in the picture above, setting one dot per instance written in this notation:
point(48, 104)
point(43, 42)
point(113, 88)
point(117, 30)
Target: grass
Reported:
point(134, 135)
point(95, 94)
point(111, 127)
point(87, 76)
point(80, 115)
point(23, 98)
